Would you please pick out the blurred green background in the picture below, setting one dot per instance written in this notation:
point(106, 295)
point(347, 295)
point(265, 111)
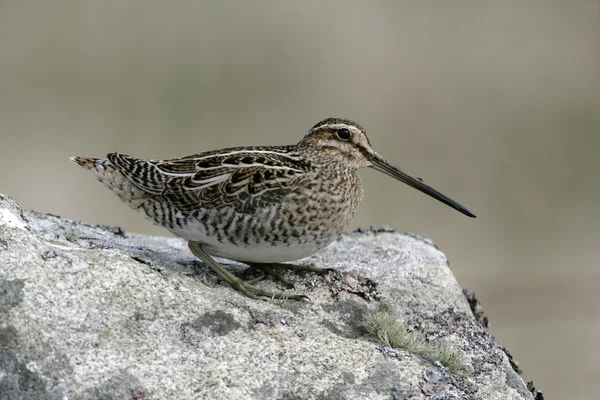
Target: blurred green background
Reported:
point(496, 104)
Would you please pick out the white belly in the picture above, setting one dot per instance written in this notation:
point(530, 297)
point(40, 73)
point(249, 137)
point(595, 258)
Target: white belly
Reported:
point(252, 252)
point(263, 253)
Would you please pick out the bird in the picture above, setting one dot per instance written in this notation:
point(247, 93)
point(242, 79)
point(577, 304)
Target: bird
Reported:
point(262, 206)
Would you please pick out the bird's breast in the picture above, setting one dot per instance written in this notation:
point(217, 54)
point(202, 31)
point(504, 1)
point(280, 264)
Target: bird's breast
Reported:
point(305, 221)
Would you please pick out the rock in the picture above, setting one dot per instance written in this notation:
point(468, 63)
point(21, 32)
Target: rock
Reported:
point(88, 311)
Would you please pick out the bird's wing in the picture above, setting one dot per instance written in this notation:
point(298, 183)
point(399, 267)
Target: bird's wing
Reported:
point(243, 178)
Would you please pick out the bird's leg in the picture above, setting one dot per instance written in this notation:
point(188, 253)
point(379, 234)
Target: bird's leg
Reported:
point(267, 270)
point(244, 288)
point(248, 271)
point(271, 269)
point(294, 267)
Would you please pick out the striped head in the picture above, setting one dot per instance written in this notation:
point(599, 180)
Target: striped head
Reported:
point(346, 142)
point(341, 138)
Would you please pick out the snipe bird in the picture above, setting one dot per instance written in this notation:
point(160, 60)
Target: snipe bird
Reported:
point(257, 205)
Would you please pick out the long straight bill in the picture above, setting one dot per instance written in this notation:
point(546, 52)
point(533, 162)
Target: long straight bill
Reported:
point(382, 165)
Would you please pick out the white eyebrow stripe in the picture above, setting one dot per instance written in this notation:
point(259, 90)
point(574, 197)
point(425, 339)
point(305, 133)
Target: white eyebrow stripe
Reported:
point(336, 127)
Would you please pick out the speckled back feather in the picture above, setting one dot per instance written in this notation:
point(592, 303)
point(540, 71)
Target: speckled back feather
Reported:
point(241, 178)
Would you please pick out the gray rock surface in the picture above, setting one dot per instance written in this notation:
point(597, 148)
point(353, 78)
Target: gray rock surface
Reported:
point(92, 312)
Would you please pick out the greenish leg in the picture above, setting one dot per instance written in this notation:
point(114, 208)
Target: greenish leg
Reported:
point(244, 288)
point(248, 271)
point(293, 267)
point(266, 268)
point(270, 269)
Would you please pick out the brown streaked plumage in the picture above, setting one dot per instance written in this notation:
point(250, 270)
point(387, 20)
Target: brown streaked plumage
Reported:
point(258, 205)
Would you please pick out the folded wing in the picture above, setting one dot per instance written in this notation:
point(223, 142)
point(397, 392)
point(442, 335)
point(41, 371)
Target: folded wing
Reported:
point(243, 178)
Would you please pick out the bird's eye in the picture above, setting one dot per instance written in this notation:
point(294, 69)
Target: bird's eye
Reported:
point(343, 134)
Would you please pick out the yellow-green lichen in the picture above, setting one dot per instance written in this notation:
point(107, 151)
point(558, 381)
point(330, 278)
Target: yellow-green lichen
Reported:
point(391, 333)
point(71, 236)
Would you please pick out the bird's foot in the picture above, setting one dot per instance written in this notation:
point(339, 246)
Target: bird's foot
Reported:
point(271, 270)
point(245, 287)
point(249, 290)
point(294, 267)
point(267, 271)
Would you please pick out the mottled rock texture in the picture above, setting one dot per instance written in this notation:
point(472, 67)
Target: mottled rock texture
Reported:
point(92, 312)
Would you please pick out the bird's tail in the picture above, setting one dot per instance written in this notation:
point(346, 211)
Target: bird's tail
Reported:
point(107, 173)
point(88, 162)
point(101, 167)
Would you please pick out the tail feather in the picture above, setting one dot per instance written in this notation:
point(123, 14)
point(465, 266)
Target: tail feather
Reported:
point(107, 173)
point(86, 162)
point(101, 167)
